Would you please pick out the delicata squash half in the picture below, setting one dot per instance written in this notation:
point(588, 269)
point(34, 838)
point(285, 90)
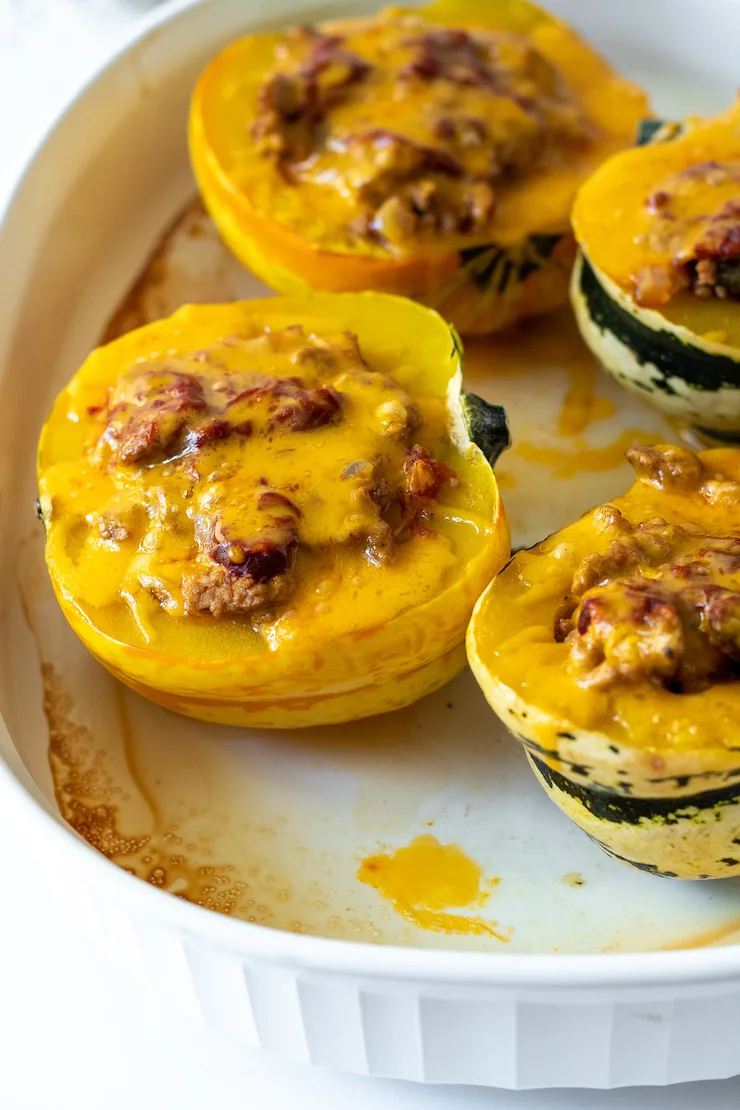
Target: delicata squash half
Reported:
point(432, 152)
point(656, 289)
point(275, 513)
point(612, 651)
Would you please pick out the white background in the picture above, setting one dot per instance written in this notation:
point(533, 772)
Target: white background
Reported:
point(74, 1033)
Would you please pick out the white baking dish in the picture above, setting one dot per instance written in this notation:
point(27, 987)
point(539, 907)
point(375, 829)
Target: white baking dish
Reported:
point(106, 180)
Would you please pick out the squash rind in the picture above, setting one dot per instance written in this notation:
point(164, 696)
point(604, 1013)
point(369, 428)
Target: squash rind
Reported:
point(355, 675)
point(696, 837)
point(682, 830)
point(487, 426)
point(689, 369)
point(670, 810)
point(687, 376)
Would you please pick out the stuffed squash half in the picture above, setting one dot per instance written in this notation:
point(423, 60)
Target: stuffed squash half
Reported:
point(612, 651)
point(274, 512)
point(656, 288)
point(432, 152)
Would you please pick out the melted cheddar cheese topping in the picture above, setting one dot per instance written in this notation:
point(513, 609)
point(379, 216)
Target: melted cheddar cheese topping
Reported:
point(662, 221)
point(277, 478)
point(628, 620)
point(384, 134)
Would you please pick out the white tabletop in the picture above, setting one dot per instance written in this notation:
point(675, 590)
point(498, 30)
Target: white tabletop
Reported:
point(74, 1031)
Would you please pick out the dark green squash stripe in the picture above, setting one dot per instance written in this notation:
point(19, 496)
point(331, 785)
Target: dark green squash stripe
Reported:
point(487, 425)
point(582, 769)
point(718, 435)
point(684, 780)
point(609, 806)
point(649, 131)
point(649, 867)
point(491, 266)
point(671, 358)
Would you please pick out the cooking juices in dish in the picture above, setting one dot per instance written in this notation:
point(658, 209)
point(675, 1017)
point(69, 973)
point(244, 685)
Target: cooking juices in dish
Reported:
point(273, 512)
point(425, 878)
point(433, 152)
point(657, 284)
point(612, 651)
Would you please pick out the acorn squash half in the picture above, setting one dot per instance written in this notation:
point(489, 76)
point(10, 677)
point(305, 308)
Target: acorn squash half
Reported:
point(274, 513)
point(612, 652)
point(656, 286)
point(433, 152)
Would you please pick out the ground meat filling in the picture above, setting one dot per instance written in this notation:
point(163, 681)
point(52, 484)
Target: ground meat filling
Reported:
point(151, 414)
point(470, 110)
point(402, 500)
point(293, 105)
point(695, 220)
point(662, 603)
point(218, 591)
point(670, 632)
point(167, 416)
point(668, 468)
point(424, 475)
point(218, 448)
point(248, 575)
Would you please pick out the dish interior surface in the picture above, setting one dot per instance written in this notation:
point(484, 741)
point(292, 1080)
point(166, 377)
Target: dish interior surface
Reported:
point(274, 827)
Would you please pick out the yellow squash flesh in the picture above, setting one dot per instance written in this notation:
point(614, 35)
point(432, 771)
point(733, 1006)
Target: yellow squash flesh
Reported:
point(357, 635)
point(296, 236)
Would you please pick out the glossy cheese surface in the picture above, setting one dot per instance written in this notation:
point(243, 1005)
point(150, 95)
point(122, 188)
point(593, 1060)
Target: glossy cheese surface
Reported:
point(515, 628)
point(496, 93)
point(649, 212)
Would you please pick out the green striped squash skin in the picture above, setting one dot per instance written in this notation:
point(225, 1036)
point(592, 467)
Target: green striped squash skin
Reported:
point(487, 425)
point(685, 376)
point(487, 291)
point(499, 268)
point(694, 836)
point(677, 816)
